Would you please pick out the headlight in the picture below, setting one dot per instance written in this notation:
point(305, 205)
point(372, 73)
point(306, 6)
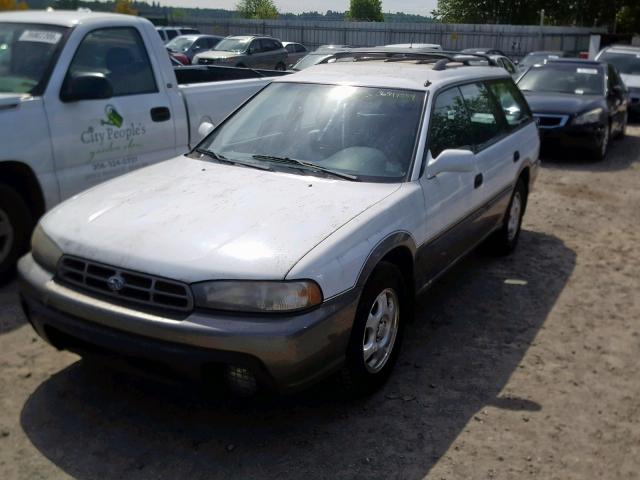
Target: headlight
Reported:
point(44, 250)
point(592, 116)
point(257, 296)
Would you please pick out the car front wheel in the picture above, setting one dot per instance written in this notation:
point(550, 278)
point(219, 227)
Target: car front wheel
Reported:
point(377, 331)
point(15, 227)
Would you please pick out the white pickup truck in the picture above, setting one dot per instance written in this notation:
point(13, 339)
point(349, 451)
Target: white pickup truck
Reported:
point(85, 97)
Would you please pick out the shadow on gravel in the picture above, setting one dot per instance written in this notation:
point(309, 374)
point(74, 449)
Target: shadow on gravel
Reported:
point(622, 154)
point(11, 316)
point(471, 332)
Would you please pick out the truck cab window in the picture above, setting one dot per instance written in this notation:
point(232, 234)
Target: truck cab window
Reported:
point(120, 55)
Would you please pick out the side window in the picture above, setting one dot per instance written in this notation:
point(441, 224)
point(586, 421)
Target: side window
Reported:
point(300, 48)
point(171, 34)
point(209, 43)
point(449, 124)
point(515, 107)
point(291, 48)
point(162, 35)
point(272, 45)
point(120, 55)
point(486, 122)
point(509, 66)
point(255, 47)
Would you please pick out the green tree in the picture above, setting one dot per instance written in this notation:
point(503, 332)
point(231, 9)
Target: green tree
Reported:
point(124, 6)
point(12, 5)
point(257, 9)
point(366, 11)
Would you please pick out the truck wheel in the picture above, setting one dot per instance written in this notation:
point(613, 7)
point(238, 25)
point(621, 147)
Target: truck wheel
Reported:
point(16, 223)
point(504, 241)
point(377, 331)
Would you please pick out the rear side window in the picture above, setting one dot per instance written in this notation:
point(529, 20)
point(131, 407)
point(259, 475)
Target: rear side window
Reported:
point(515, 107)
point(449, 125)
point(300, 48)
point(120, 55)
point(486, 122)
point(291, 48)
point(171, 34)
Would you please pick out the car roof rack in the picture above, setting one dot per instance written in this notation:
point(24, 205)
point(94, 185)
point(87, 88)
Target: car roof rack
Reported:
point(440, 58)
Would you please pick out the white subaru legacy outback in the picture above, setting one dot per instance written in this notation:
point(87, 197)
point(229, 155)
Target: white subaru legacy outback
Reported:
point(290, 243)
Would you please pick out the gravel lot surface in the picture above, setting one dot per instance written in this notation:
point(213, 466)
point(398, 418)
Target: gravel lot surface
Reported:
point(514, 368)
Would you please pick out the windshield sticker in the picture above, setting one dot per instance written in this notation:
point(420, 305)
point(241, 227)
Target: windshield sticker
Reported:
point(579, 91)
point(42, 36)
point(554, 57)
point(396, 94)
point(588, 71)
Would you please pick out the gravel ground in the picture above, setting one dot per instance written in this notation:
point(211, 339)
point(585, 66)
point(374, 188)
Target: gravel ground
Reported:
point(514, 368)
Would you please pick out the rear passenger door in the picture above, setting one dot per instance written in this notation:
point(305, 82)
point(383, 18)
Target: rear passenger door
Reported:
point(448, 196)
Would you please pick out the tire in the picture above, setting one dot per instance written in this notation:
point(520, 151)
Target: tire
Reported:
point(16, 223)
point(371, 331)
point(600, 152)
point(281, 67)
point(505, 240)
point(623, 129)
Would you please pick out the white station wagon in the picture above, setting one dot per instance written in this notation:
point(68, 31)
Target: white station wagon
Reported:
point(289, 245)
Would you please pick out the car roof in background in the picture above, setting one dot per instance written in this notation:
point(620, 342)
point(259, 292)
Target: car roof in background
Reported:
point(624, 49)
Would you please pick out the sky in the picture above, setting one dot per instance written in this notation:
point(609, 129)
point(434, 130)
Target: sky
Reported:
point(421, 7)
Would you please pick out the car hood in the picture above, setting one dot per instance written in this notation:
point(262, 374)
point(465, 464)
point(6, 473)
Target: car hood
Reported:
point(193, 220)
point(219, 54)
point(561, 103)
point(631, 81)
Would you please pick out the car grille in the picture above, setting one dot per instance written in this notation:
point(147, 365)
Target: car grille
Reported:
point(551, 121)
point(129, 287)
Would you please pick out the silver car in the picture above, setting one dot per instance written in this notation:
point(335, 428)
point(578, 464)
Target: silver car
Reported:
point(245, 51)
point(295, 52)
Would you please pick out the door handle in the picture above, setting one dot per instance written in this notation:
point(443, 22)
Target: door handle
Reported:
point(160, 114)
point(477, 181)
point(516, 156)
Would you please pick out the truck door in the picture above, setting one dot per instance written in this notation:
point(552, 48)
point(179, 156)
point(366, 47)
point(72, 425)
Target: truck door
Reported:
point(95, 139)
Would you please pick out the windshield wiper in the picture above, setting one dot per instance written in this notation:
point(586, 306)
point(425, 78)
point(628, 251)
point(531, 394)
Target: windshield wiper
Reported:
point(306, 165)
point(223, 159)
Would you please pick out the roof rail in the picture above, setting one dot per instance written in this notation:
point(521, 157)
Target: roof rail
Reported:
point(440, 57)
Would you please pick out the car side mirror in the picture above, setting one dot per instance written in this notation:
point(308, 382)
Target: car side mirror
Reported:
point(86, 86)
point(205, 129)
point(452, 160)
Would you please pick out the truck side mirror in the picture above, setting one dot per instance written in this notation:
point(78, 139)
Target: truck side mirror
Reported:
point(86, 86)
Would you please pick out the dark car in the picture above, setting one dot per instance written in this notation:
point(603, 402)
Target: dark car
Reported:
point(189, 45)
point(578, 104)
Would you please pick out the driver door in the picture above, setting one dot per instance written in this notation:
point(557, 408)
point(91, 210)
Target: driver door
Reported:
point(448, 196)
point(98, 139)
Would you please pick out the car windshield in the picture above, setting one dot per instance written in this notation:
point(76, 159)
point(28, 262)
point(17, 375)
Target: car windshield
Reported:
point(576, 79)
point(626, 63)
point(233, 44)
point(540, 58)
point(26, 51)
point(365, 132)
point(180, 44)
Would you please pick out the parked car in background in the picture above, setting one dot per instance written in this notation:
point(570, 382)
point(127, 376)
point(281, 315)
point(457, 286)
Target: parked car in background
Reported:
point(484, 51)
point(626, 59)
point(578, 104)
point(85, 97)
point(295, 51)
point(189, 45)
point(424, 46)
point(540, 57)
point(169, 33)
point(290, 244)
point(245, 51)
point(320, 54)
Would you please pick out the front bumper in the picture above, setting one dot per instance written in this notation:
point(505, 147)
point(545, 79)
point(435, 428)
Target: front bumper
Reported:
point(284, 352)
point(572, 137)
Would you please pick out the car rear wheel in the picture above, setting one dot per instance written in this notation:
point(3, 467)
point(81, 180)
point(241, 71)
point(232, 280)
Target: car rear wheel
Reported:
point(504, 241)
point(377, 331)
point(281, 67)
point(16, 223)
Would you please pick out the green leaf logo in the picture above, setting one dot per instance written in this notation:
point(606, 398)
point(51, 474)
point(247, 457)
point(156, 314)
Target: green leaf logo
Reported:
point(113, 117)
